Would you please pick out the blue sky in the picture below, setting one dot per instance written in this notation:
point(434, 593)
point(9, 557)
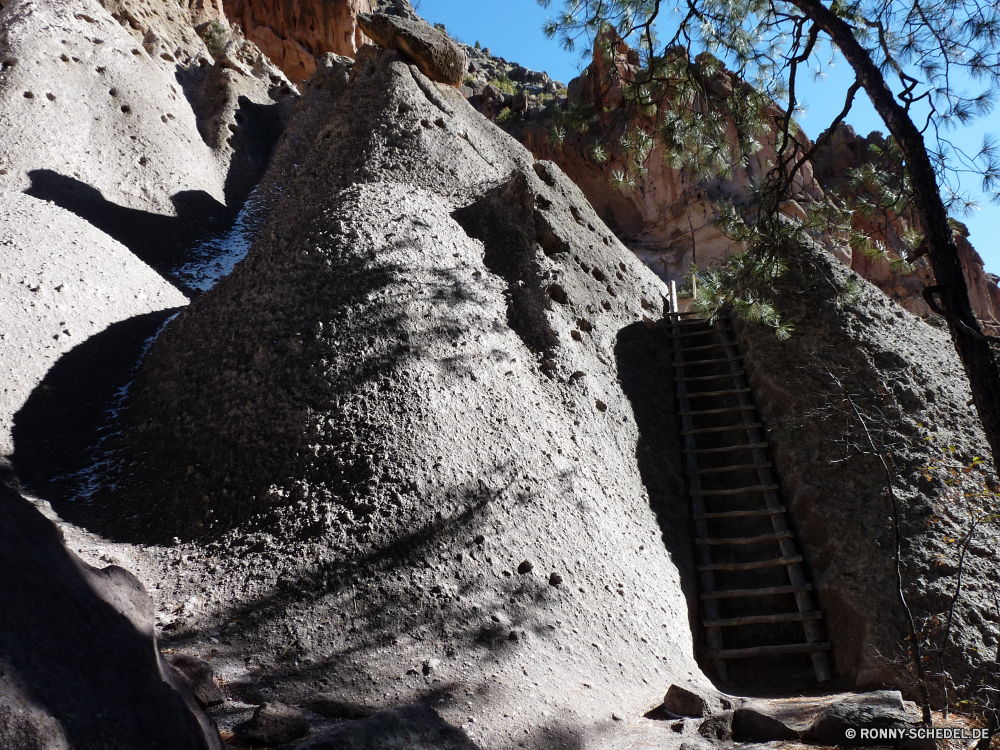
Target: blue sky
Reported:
point(512, 30)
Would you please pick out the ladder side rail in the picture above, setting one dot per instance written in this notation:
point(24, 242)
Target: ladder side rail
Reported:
point(706, 578)
point(796, 573)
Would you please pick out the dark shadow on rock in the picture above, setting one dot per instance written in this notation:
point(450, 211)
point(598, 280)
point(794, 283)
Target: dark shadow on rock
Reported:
point(77, 650)
point(415, 727)
point(644, 369)
point(62, 424)
point(159, 241)
point(503, 221)
point(258, 128)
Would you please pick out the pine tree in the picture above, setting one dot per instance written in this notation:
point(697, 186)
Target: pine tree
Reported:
point(929, 51)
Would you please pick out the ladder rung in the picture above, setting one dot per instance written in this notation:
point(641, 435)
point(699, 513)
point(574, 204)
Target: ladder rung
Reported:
point(702, 394)
point(684, 314)
point(727, 448)
point(697, 333)
point(727, 410)
point(697, 322)
point(706, 347)
point(711, 377)
point(765, 619)
point(745, 540)
point(724, 469)
point(726, 428)
point(707, 361)
point(750, 565)
point(749, 653)
point(741, 513)
point(772, 591)
point(734, 491)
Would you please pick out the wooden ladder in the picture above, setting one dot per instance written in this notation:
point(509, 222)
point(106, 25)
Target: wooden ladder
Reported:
point(739, 518)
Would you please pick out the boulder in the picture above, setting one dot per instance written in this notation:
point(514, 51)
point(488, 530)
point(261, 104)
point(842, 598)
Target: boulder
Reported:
point(437, 56)
point(843, 722)
point(361, 392)
point(62, 283)
point(272, 724)
point(78, 658)
point(201, 679)
point(717, 726)
point(684, 702)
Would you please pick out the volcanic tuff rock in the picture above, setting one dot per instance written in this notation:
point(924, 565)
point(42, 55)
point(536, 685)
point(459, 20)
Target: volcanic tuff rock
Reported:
point(62, 282)
point(437, 56)
point(435, 363)
point(295, 34)
point(78, 658)
point(911, 395)
point(845, 151)
point(98, 120)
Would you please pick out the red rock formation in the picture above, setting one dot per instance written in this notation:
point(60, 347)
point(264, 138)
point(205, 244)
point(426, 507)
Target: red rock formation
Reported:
point(845, 151)
point(668, 219)
point(293, 33)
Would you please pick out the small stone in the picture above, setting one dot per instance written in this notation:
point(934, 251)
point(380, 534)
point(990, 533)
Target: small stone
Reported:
point(525, 567)
point(272, 724)
point(480, 539)
point(512, 636)
point(430, 665)
point(555, 579)
point(683, 702)
point(198, 673)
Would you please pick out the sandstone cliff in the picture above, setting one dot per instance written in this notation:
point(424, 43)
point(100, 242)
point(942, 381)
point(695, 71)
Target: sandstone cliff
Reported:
point(668, 219)
point(294, 34)
point(846, 151)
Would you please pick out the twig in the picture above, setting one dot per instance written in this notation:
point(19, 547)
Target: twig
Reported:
point(914, 640)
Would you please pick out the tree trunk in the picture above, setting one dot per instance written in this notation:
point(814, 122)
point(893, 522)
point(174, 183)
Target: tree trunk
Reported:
point(973, 349)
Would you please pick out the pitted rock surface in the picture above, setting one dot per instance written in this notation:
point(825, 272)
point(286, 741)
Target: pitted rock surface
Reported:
point(437, 56)
point(389, 396)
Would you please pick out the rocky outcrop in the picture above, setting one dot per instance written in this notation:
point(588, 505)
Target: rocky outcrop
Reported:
point(904, 378)
point(668, 218)
point(123, 143)
point(437, 56)
point(435, 364)
point(295, 33)
point(78, 655)
point(98, 120)
point(846, 151)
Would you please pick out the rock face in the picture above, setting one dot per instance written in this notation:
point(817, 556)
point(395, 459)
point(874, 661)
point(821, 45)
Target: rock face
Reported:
point(115, 114)
point(78, 657)
point(294, 33)
point(435, 353)
point(845, 151)
point(62, 282)
point(437, 56)
point(99, 118)
point(904, 377)
point(668, 218)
